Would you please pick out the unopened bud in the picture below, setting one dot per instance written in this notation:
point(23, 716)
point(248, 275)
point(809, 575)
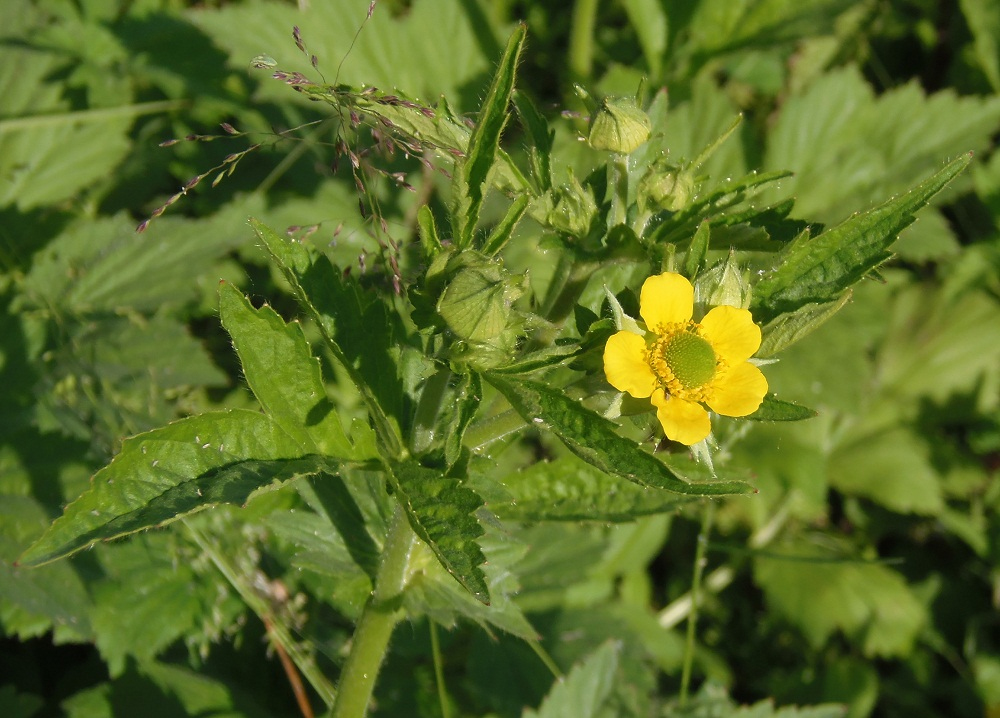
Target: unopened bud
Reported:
point(618, 125)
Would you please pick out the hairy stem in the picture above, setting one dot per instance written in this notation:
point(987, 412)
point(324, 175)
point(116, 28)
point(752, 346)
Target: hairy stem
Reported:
point(379, 618)
point(581, 40)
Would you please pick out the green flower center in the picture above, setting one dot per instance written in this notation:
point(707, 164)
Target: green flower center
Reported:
point(683, 361)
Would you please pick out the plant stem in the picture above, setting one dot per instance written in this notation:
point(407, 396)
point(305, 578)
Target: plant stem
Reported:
point(699, 565)
point(439, 671)
point(581, 40)
point(484, 432)
point(379, 618)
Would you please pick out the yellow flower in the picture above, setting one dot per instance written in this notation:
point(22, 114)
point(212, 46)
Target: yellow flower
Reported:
point(681, 364)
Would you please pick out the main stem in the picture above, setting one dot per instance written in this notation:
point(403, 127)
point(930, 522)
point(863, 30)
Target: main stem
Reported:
point(379, 618)
point(699, 566)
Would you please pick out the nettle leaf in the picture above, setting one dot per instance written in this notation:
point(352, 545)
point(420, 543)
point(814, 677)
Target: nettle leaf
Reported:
point(585, 691)
point(569, 489)
point(283, 374)
point(817, 270)
point(820, 593)
point(595, 439)
point(441, 512)
point(357, 327)
point(164, 474)
point(485, 142)
point(468, 395)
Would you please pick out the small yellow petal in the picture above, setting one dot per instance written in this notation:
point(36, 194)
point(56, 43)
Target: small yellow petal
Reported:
point(739, 391)
point(683, 421)
point(666, 299)
point(732, 333)
point(626, 367)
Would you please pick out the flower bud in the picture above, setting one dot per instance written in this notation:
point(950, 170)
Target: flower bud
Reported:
point(666, 187)
point(568, 208)
point(723, 284)
point(618, 125)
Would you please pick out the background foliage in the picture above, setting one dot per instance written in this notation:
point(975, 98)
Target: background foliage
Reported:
point(863, 573)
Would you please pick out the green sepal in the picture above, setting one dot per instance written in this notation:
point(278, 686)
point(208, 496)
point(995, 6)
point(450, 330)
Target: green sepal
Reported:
point(774, 409)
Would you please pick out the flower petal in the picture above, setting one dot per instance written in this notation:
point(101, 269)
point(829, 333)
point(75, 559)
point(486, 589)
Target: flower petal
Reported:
point(666, 299)
point(731, 332)
point(625, 365)
point(683, 421)
point(739, 391)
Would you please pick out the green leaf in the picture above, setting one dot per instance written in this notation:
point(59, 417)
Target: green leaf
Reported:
point(584, 692)
point(19, 705)
point(505, 228)
point(164, 474)
point(283, 374)
point(485, 141)
point(774, 409)
point(541, 139)
point(357, 327)
point(441, 512)
point(787, 329)
point(569, 489)
point(821, 593)
point(818, 270)
point(892, 468)
point(468, 395)
point(429, 238)
point(594, 439)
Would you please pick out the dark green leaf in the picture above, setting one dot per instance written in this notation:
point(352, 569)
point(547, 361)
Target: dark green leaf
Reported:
point(568, 489)
point(774, 409)
point(594, 439)
point(441, 512)
point(818, 270)
point(164, 474)
point(485, 141)
point(283, 375)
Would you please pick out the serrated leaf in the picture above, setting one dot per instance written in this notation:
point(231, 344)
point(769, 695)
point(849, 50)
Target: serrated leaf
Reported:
point(283, 374)
point(569, 489)
point(441, 512)
point(819, 269)
point(821, 593)
point(435, 595)
point(787, 329)
point(164, 474)
point(595, 440)
point(485, 141)
point(983, 18)
point(774, 409)
point(357, 327)
point(584, 692)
